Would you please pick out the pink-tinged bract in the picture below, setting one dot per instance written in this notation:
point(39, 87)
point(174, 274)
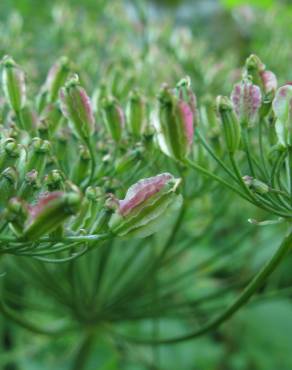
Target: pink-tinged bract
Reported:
point(44, 201)
point(141, 191)
point(282, 104)
point(246, 99)
point(187, 115)
point(269, 81)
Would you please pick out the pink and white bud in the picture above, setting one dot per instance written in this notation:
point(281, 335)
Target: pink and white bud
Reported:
point(145, 205)
point(141, 191)
point(269, 81)
point(247, 99)
point(177, 114)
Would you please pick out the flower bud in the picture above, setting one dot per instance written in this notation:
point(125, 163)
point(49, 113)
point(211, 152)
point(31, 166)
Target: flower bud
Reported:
point(16, 213)
point(270, 82)
point(136, 113)
point(246, 99)
point(146, 205)
point(256, 185)
point(37, 155)
point(175, 124)
point(76, 107)
point(56, 78)
point(230, 123)
point(113, 117)
point(9, 153)
point(8, 184)
point(54, 180)
point(282, 106)
point(50, 212)
point(128, 161)
point(81, 167)
point(29, 119)
point(256, 70)
point(30, 185)
point(13, 84)
point(51, 116)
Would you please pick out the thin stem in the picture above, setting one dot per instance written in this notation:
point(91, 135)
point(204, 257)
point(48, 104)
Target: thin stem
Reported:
point(245, 139)
point(261, 148)
point(9, 314)
point(93, 160)
point(197, 167)
point(214, 156)
point(242, 299)
point(66, 239)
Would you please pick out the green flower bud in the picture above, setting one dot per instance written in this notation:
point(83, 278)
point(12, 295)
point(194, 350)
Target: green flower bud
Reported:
point(13, 84)
point(266, 80)
point(81, 167)
point(51, 117)
point(256, 185)
point(76, 107)
point(174, 125)
point(230, 123)
point(55, 180)
point(38, 155)
point(136, 114)
point(30, 185)
point(17, 213)
point(8, 184)
point(9, 153)
point(29, 119)
point(49, 213)
point(56, 78)
point(113, 117)
point(129, 161)
point(145, 207)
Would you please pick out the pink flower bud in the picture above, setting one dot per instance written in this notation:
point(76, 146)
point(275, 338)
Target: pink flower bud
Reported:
point(141, 191)
point(246, 99)
point(175, 126)
point(50, 212)
point(187, 118)
point(76, 107)
point(269, 81)
point(145, 206)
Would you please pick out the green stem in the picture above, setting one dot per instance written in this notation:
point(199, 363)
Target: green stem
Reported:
point(67, 239)
point(261, 148)
point(93, 160)
point(205, 172)
point(245, 139)
point(243, 298)
point(15, 317)
point(84, 352)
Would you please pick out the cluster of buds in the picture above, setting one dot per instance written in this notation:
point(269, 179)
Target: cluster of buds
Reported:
point(47, 188)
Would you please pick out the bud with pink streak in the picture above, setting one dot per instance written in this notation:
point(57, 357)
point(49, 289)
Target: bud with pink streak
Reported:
point(51, 210)
point(76, 107)
point(177, 114)
point(247, 100)
point(145, 206)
